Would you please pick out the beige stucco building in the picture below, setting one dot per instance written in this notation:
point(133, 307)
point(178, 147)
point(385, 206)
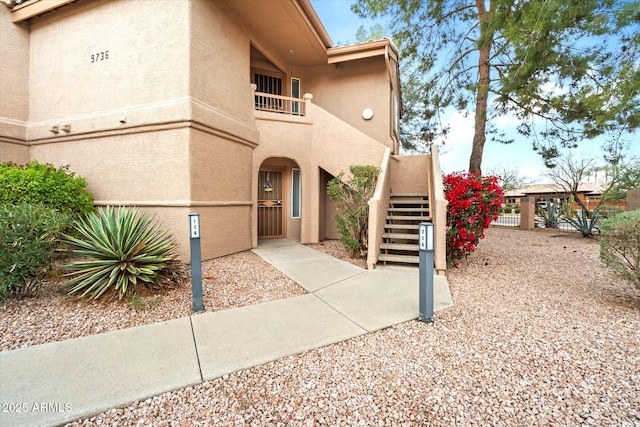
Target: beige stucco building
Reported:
point(240, 110)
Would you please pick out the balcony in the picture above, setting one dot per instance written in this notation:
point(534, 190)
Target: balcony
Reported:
point(279, 104)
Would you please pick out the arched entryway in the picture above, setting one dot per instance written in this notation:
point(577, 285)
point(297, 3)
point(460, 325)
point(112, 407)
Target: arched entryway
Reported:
point(279, 194)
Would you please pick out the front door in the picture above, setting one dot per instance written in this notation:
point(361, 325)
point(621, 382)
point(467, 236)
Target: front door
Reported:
point(270, 204)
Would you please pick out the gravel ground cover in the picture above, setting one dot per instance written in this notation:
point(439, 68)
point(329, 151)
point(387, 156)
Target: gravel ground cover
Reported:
point(336, 249)
point(540, 335)
point(232, 281)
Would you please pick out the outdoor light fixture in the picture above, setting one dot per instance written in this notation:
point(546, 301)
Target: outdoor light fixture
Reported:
point(367, 114)
point(267, 185)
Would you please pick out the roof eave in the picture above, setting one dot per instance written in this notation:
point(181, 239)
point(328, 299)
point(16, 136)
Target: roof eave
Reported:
point(315, 23)
point(33, 8)
point(362, 50)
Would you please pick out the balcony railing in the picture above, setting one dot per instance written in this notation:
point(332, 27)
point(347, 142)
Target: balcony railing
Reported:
point(279, 104)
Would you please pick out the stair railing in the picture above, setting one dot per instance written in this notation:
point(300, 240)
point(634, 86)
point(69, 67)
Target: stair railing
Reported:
point(378, 211)
point(438, 206)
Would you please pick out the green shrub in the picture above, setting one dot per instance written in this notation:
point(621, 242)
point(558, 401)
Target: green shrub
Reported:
point(510, 208)
point(620, 246)
point(29, 236)
point(608, 211)
point(352, 200)
point(567, 207)
point(122, 251)
point(44, 184)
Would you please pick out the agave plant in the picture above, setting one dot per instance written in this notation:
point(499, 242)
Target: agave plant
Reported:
point(120, 250)
point(587, 226)
point(551, 216)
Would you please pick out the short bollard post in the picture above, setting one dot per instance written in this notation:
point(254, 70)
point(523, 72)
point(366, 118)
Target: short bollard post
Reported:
point(196, 262)
point(425, 247)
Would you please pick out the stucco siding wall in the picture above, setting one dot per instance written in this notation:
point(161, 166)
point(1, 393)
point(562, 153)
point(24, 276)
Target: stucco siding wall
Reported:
point(220, 175)
point(337, 145)
point(633, 199)
point(176, 221)
point(148, 169)
point(14, 152)
point(145, 168)
point(410, 174)
point(220, 169)
point(220, 61)
point(284, 139)
point(346, 89)
point(224, 229)
point(14, 88)
point(146, 63)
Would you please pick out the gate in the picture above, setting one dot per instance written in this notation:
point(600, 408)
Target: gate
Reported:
point(270, 204)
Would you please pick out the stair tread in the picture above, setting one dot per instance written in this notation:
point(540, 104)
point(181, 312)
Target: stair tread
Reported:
point(409, 201)
point(400, 236)
point(400, 246)
point(402, 226)
point(408, 210)
point(399, 258)
point(409, 218)
point(409, 195)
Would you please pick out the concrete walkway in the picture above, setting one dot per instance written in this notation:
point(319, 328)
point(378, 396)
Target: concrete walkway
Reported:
point(54, 383)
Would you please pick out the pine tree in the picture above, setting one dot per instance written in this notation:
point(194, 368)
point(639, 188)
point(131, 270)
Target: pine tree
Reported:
point(568, 70)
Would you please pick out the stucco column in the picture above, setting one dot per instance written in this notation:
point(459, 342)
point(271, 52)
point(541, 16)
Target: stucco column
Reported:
point(633, 199)
point(310, 220)
point(527, 213)
point(307, 104)
point(254, 200)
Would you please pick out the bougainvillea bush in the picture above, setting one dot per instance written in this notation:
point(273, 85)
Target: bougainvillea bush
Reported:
point(474, 201)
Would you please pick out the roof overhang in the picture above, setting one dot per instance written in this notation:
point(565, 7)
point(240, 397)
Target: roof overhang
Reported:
point(542, 189)
point(362, 50)
point(289, 29)
point(31, 8)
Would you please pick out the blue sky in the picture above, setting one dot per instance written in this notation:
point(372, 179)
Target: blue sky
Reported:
point(341, 24)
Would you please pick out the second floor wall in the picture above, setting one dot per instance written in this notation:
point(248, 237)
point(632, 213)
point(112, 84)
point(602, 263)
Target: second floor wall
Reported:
point(105, 65)
point(101, 55)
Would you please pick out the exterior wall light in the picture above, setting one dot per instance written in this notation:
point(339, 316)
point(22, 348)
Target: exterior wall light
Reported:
point(367, 114)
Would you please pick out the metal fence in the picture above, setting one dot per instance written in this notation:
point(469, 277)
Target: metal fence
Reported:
point(510, 216)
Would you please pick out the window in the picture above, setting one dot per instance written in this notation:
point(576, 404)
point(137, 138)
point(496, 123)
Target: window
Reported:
point(271, 85)
point(268, 84)
point(295, 197)
point(295, 93)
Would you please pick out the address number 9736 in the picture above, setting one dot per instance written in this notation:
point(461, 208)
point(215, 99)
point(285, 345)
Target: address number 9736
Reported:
point(100, 56)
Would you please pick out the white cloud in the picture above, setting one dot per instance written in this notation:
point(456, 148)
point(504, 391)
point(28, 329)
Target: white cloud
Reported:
point(456, 150)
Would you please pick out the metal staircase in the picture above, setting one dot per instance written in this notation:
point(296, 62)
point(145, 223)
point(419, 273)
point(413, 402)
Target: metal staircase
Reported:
point(400, 239)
